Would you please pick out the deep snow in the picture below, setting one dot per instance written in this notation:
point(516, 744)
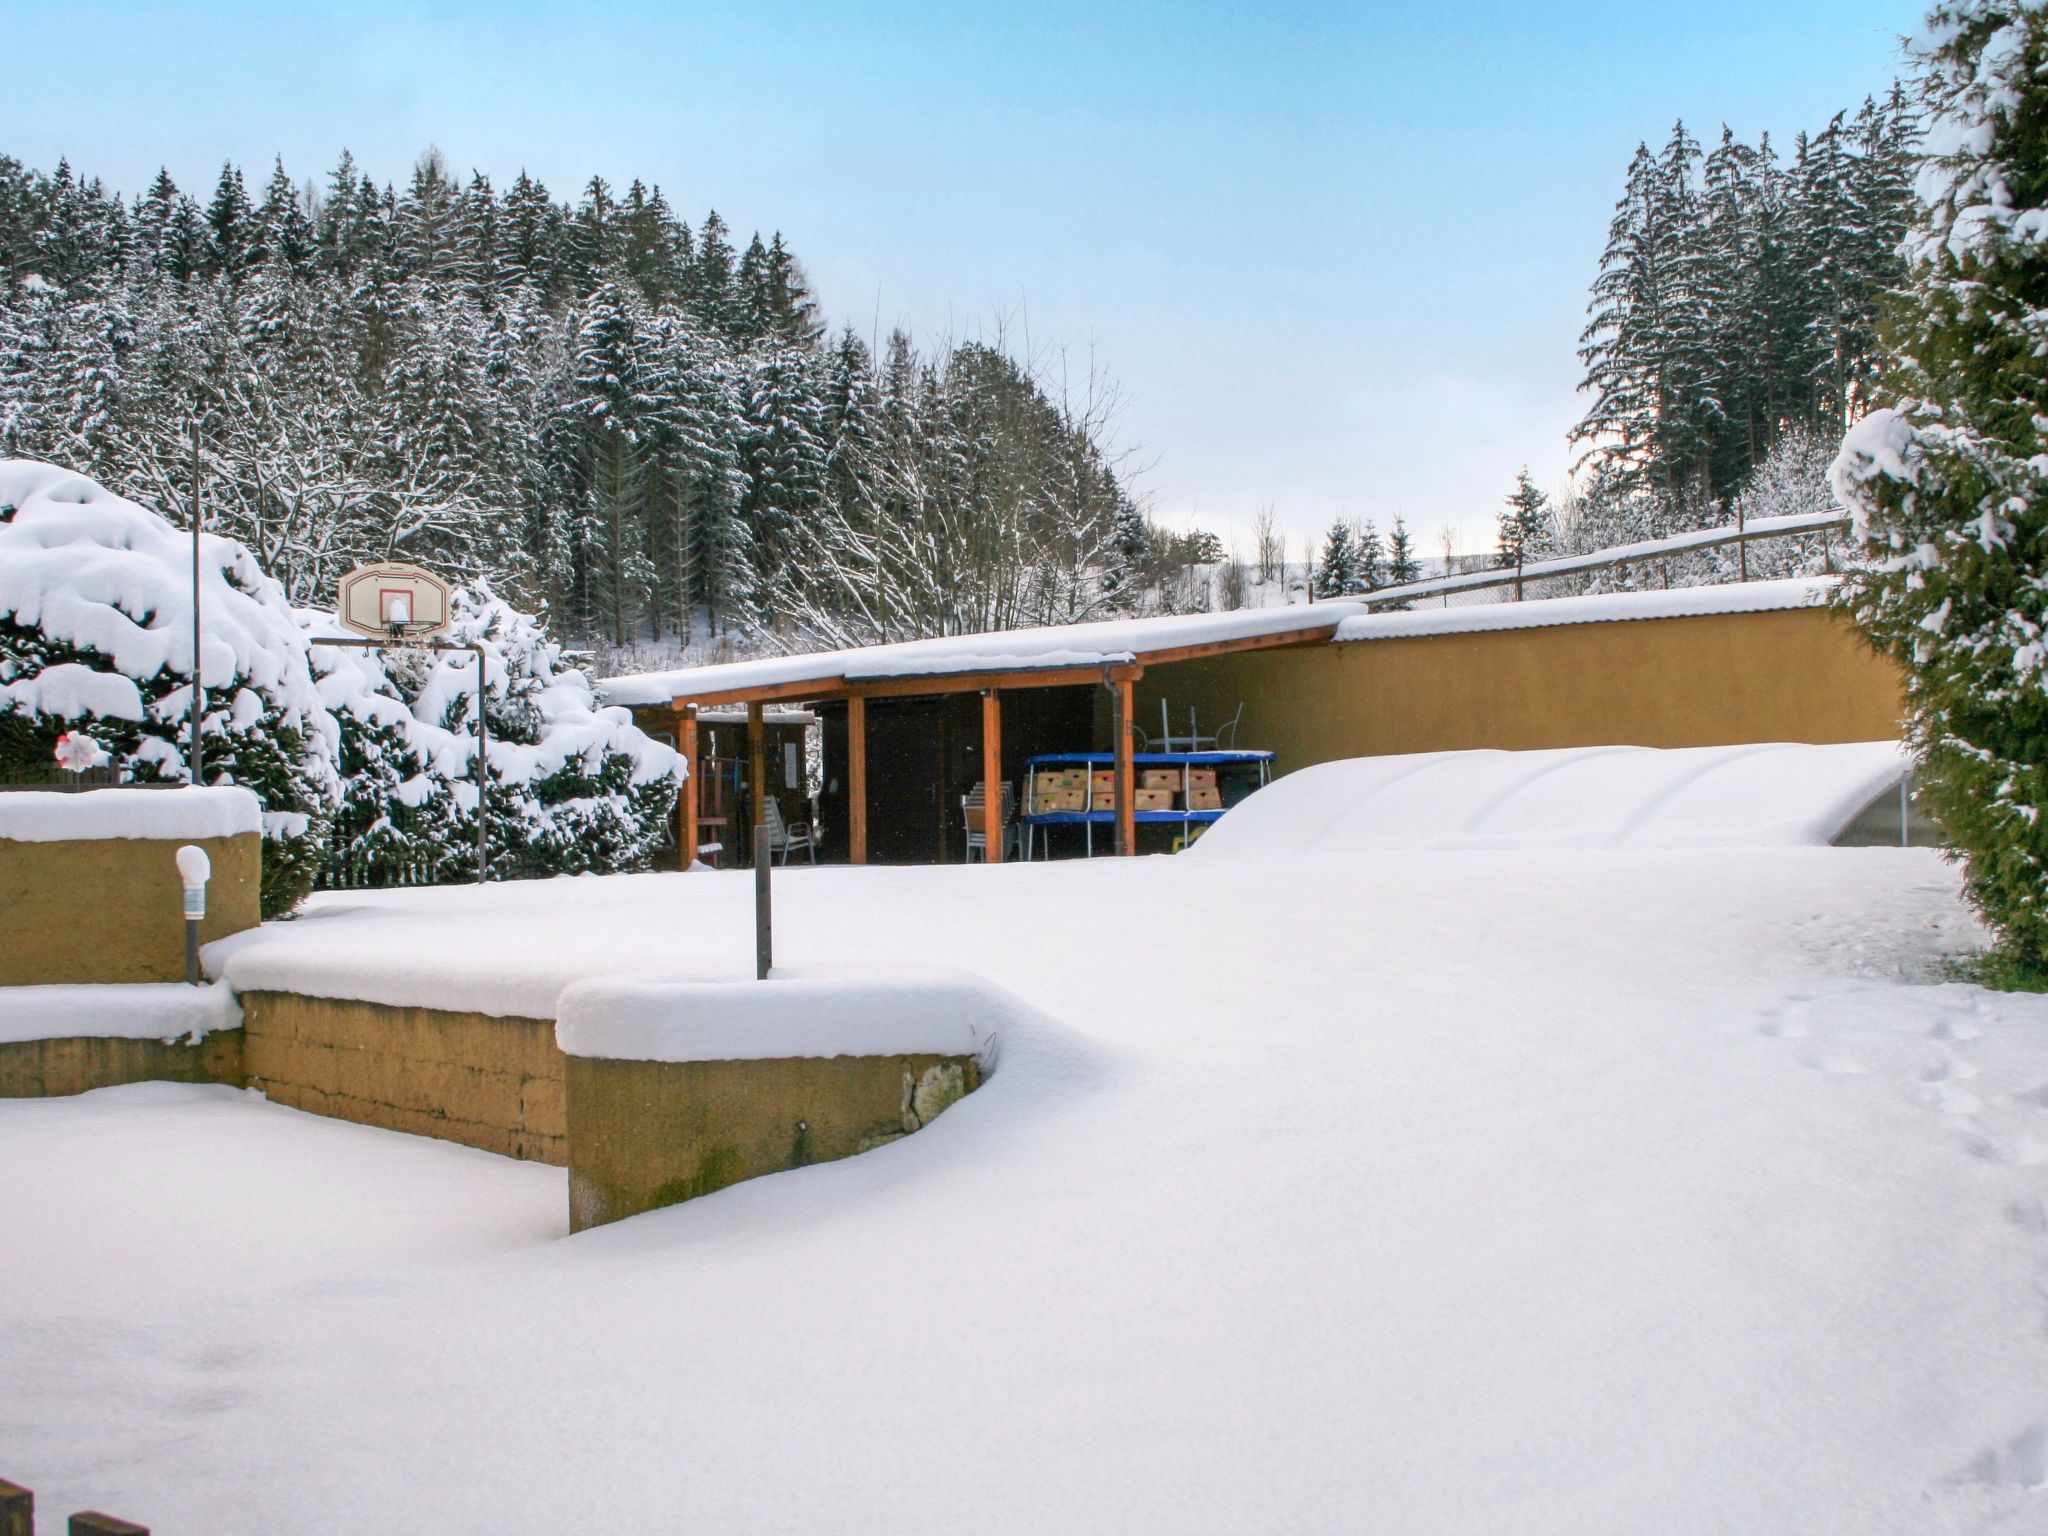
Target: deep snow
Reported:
point(1403, 1191)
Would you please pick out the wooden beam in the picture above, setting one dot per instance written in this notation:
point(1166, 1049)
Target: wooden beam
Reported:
point(757, 775)
point(943, 683)
point(857, 779)
point(1126, 773)
point(992, 775)
point(686, 739)
point(1292, 640)
point(765, 693)
point(973, 682)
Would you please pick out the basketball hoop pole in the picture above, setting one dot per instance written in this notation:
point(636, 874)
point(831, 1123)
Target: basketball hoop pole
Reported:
point(483, 729)
point(198, 687)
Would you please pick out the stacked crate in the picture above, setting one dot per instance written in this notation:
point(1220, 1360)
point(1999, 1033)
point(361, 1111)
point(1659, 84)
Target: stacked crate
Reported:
point(1059, 789)
point(1157, 789)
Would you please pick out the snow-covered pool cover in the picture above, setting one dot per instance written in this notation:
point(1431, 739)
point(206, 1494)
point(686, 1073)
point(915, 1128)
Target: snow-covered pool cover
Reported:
point(1579, 797)
point(1601, 608)
point(901, 1011)
point(139, 1011)
point(35, 816)
point(1013, 650)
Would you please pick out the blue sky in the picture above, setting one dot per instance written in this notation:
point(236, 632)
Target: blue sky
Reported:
point(1335, 255)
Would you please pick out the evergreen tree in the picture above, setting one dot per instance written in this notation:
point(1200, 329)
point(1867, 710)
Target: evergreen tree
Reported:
point(1402, 566)
point(285, 232)
point(1948, 489)
point(1336, 573)
point(1524, 522)
point(236, 242)
point(1371, 557)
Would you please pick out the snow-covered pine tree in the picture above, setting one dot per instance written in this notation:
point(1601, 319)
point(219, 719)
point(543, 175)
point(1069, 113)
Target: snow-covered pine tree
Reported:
point(1336, 573)
point(1371, 557)
point(236, 242)
point(1524, 522)
point(1948, 488)
point(285, 230)
point(1402, 566)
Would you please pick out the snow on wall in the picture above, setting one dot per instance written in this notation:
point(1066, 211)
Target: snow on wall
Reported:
point(33, 816)
point(1579, 797)
point(900, 1011)
point(1601, 608)
point(1106, 642)
point(135, 1011)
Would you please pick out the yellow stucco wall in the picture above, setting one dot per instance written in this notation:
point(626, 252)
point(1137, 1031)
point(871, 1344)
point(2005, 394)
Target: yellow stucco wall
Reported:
point(111, 909)
point(486, 1082)
point(644, 1134)
point(1710, 680)
point(48, 1069)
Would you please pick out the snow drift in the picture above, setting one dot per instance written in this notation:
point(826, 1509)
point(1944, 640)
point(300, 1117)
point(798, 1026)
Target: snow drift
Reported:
point(1581, 797)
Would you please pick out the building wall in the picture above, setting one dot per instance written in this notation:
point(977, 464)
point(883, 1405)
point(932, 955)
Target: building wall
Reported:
point(487, 1082)
point(111, 909)
point(1708, 680)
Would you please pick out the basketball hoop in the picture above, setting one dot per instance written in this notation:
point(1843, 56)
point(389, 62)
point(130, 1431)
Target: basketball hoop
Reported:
point(390, 601)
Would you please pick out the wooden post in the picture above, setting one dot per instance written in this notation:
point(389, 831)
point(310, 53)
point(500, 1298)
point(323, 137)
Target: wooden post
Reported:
point(992, 774)
point(686, 739)
point(857, 779)
point(1126, 773)
point(757, 766)
point(17, 1510)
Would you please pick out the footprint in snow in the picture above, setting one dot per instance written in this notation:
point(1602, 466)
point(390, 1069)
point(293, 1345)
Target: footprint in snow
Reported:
point(1837, 1066)
point(1782, 1023)
point(2021, 1462)
point(2017, 1152)
point(1950, 1099)
point(1955, 1027)
point(1953, 1069)
point(2030, 1213)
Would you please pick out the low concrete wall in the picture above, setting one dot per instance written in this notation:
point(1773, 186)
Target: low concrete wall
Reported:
point(491, 1083)
point(38, 1069)
point(110, 909)
point(644, 1134)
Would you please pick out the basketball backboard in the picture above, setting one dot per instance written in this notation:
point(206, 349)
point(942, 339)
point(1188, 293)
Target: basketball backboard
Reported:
point(393, 601)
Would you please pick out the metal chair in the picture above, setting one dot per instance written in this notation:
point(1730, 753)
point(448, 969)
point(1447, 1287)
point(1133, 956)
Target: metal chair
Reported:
point(971, 805)
point(1225, 737)
point(785, 838)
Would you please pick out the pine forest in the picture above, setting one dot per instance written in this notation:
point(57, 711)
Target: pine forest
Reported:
point(643, 425)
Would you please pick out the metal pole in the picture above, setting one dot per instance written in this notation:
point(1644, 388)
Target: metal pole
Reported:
point(483, 765)
point(191, 951)
point(197, 754)
point(764, 920)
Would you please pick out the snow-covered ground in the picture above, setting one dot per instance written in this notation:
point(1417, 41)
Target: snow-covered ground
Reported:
point(1406, 1191)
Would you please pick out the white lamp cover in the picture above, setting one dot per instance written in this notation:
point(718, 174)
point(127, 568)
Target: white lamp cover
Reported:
point(193, 866)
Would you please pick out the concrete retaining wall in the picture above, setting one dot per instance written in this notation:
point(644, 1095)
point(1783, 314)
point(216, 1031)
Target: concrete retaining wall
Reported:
point(39, 1069)
point(491, 1083)
point(644, 1134)
point(110, 909)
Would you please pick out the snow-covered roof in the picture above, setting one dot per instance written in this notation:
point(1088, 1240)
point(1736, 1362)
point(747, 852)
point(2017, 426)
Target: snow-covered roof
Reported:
point(1602, 608)
point(1054, 647)
point(1771, 794)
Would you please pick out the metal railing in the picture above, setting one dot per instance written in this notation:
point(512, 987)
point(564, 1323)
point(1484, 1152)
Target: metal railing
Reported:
point(1519, 577)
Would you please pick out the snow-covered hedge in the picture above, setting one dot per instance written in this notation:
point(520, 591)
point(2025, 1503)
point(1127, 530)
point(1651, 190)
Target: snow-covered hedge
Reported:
point(574, 787)
point(364, 761)
point(96, 626)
